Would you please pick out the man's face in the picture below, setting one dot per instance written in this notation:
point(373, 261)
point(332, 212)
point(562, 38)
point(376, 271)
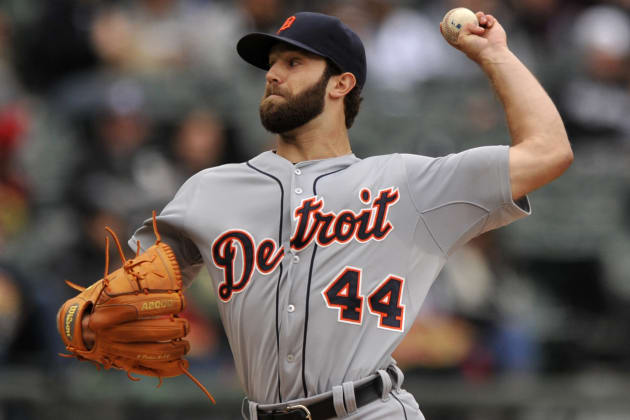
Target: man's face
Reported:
point(295, 89)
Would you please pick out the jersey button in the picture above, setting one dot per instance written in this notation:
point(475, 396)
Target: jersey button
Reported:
point(290, 358)
point(296, 259)
point(291, 308)
point(298, 172)
point(298, 190)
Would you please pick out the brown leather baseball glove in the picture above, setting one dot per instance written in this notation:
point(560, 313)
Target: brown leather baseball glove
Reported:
point(133, 313)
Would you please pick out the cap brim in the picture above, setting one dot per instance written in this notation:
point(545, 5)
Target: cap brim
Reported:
point(254, 48)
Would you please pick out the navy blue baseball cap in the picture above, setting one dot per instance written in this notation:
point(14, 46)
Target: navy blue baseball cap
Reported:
point(324, 35)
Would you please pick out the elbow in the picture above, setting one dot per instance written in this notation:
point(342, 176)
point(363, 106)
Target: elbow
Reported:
point(560, 160)
point(565, 158)
point(569, 157)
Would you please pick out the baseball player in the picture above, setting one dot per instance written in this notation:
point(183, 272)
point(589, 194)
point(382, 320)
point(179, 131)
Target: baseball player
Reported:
point(321, 260)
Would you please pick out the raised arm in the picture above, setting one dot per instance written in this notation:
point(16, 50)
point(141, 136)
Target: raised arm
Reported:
point(540, 149)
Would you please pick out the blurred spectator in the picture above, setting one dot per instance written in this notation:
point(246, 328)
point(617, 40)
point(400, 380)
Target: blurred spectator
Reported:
point(14, 211)
point(14, 121)
point(124, 170)
point(8, 77)
point(200, 142)
point(84, 263)
point(171, 35)
point(209, 345)
point(167, 35)
point(545, 22)
point(262, 15)
point(597, 100)
point(10, 313)
point(476, 320)
point(22, 337)
point(183, 53)
point(539, 33)
point(203, 141)
point(403, 47)
point(50, 41)
point(406, 47)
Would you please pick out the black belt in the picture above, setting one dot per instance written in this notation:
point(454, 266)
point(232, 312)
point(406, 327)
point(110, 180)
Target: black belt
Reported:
point(324, 409)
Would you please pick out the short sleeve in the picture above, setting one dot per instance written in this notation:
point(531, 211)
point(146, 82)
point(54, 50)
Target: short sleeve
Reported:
point(462, 195)
point(172, 226)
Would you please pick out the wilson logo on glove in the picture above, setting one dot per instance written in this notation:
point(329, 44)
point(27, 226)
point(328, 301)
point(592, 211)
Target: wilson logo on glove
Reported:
point(133, 312)
point(70, 320)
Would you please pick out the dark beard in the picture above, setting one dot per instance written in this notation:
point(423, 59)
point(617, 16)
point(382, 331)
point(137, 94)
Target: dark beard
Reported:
point(296, 111)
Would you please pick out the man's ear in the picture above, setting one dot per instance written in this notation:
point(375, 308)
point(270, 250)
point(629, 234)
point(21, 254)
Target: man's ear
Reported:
point(343, 84)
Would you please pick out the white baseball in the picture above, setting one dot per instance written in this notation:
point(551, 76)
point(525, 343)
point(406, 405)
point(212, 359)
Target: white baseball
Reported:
point(454, 20)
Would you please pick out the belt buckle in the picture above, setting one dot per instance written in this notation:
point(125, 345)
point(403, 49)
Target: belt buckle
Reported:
point(300, 407)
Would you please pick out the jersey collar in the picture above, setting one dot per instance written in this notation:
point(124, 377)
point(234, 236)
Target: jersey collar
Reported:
point(269, 161)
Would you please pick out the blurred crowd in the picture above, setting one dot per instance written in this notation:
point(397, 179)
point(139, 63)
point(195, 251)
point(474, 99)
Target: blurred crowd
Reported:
point(106, 107)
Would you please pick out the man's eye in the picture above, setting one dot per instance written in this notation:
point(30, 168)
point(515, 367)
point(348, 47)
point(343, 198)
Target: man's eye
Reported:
point(294, 62)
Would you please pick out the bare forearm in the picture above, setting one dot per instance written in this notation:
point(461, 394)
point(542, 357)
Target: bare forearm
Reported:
point(531, 115)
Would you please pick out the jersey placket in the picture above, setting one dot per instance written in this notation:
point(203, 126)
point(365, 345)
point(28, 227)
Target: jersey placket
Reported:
point(293, 293)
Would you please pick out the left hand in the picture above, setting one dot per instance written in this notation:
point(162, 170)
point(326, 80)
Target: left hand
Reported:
point(478, 42)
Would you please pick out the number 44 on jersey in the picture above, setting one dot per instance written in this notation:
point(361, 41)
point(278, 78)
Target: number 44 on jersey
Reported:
point(344, 294)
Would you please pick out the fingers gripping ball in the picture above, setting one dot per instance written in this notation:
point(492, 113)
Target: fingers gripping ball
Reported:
point(133, 313)
point(454, 20)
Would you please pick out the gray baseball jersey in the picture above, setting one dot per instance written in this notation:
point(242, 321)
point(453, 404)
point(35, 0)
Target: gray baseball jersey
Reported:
point(321, 267)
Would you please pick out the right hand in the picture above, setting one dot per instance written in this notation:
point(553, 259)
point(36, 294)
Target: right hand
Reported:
point(480, 41)
point(88, 335)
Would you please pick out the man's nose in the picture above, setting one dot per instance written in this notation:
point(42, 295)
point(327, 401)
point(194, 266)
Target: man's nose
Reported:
point(273, 74)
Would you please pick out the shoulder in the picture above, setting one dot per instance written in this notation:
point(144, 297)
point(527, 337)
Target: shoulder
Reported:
point(475, 157)
point(209, 174)
point(207, 178)
point(395, 163)
point(381, 160)
point(399, 161)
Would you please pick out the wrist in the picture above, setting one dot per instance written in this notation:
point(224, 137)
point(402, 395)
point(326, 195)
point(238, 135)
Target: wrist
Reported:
point(493, 56)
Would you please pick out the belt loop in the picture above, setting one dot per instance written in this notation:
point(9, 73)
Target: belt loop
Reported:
point(349, 397)
point(386, 380)
point(253, 410)
point(400, 376)
point(340, 408)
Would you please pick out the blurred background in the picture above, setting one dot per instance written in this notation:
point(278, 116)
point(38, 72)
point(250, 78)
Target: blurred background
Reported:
point(106, 107)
